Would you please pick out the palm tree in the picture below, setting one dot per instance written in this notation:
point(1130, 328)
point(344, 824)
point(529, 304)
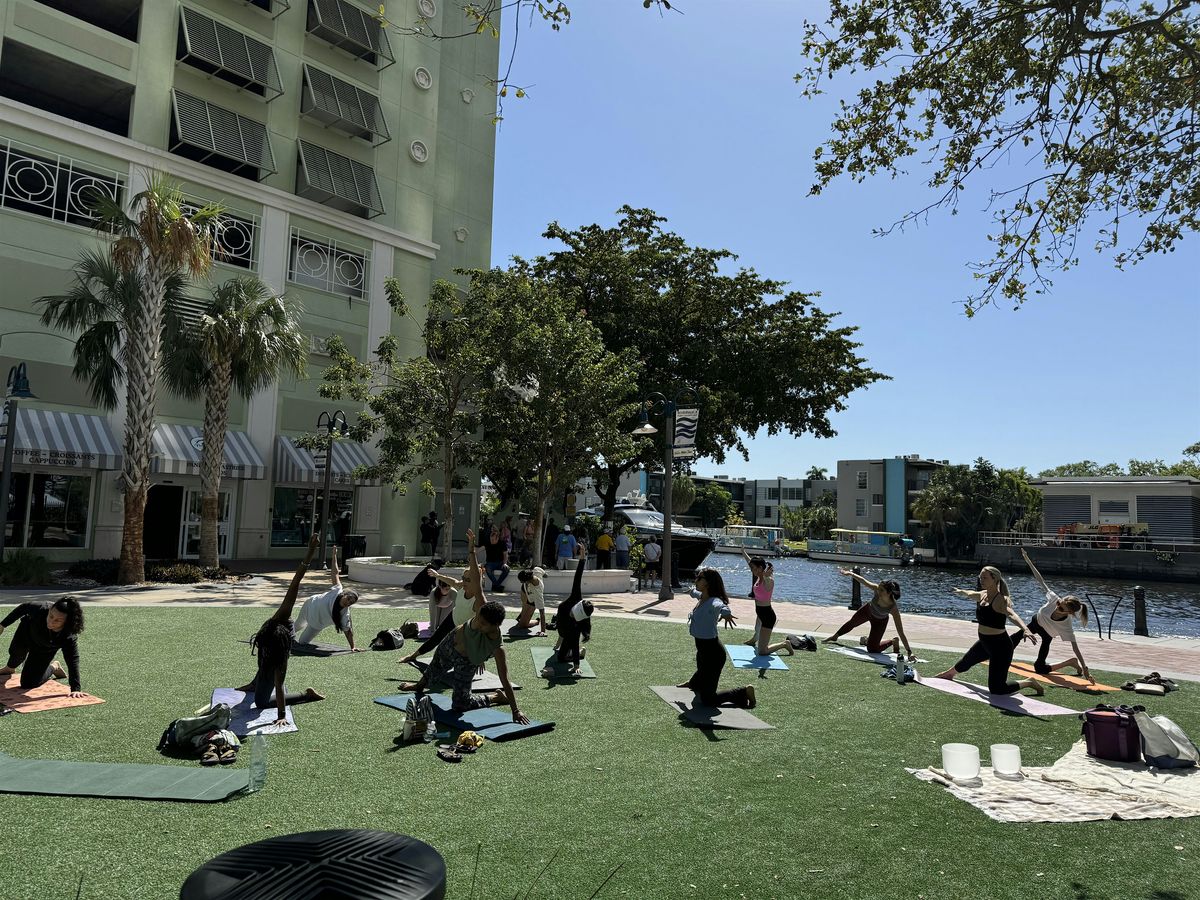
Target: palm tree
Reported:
point(938, 504)
point(816, 473)
point(245, 340)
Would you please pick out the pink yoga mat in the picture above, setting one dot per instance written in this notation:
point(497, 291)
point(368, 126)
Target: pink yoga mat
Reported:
point(1019, 703)
point(50, 695)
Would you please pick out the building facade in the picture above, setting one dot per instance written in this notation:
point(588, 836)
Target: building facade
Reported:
point(1170, 505)
point(877, 494)
point(345, 152)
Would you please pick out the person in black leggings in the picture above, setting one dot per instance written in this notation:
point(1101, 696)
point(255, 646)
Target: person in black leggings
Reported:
point(570, 628)
point(993, 608)
point(713, 603)
point(45, 629)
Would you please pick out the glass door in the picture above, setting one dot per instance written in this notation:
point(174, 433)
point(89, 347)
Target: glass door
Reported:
point(189, 538)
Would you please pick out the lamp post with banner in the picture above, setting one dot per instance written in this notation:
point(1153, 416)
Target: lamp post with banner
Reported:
point(681, 417)
point(335, 423)
point(16, 390)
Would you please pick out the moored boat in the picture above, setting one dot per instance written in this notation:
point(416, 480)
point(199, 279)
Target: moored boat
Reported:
point(879, 548)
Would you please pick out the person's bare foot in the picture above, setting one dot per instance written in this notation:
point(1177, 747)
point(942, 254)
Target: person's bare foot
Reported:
point(686, 684)
point(311, 694)
point(57, 671)
point(830, 640)
point(751, 700)
point(949, 675)
point(407, 686)
point(1038, 690)
point(498, 699)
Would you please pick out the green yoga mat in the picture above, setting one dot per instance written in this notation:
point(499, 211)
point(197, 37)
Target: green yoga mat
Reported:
point(543, 654)
point(128, 781)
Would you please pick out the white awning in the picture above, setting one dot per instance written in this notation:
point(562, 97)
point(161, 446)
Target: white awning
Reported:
point(295, 465)
point(64, 440)
point(177, 452)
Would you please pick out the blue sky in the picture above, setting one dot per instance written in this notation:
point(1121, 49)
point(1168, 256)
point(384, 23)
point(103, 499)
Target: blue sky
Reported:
point(697, 116)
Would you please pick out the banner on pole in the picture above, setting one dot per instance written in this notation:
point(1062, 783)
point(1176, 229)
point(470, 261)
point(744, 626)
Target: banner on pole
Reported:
point(686, 421)
point(685, 453)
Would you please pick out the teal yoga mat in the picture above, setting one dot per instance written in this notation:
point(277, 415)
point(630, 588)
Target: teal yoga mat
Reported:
point(494, 723)
point(543, 654)
point(744, 657)
point(129, 781)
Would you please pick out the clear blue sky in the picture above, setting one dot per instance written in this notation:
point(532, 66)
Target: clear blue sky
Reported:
point(697, 116)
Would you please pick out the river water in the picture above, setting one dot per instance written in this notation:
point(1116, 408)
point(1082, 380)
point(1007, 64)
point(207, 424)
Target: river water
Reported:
point(1171, 608)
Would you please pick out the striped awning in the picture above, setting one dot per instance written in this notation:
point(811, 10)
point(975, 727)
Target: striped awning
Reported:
point(295, 465)
point(65, 440)
point(177, 452)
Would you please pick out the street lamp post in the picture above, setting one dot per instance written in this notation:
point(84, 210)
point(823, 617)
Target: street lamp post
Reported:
point(18, 389)
point(331, 423)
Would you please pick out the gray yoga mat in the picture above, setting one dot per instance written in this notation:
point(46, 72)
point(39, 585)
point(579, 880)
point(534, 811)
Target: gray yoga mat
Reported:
point(682, 700)
point(248, 719)
point(542, 656)
point(64, 778)
point(860, 653)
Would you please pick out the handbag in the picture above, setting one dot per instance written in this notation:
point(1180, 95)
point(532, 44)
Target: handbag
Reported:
point(1112, 733)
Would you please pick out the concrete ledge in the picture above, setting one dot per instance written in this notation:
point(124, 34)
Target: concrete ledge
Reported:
point(378, 570)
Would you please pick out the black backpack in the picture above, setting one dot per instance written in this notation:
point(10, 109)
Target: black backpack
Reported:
point(388, 639)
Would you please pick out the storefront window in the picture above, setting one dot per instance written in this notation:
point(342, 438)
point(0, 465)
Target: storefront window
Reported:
point(295, 511)
point(48, 511)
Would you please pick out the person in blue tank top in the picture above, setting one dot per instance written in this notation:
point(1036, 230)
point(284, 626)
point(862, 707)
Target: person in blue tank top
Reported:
point(712, 605)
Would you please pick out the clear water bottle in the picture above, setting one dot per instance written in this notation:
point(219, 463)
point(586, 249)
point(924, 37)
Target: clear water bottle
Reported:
point(901, 668)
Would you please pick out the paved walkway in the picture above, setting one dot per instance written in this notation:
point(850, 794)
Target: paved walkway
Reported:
point(1177, 658)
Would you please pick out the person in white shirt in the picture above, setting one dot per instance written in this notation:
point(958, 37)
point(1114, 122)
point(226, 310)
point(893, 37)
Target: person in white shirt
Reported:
point(1053, 620)
point(533, 599)
point(330, 608)
point(653, 553)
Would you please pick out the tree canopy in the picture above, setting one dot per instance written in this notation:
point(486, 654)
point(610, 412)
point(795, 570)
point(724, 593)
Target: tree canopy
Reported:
point(1087, 468)
point(961, 501)
point(1094, 104)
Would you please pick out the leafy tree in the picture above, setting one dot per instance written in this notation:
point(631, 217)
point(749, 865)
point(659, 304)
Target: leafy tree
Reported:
point(245, 340)
point(938, 504)
point(962, 501)
point(757, 355)
point(424, 410)
point(120, 302)
point(1100, 96)
point(1083, 469)
point(817, 473)
point(683, 493)
point(815, 522)
point(713, 504)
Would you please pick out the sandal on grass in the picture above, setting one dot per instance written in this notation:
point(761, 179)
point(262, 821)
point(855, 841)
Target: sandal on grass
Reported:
point(209, 757)
point(449, 756)
point(228, 756)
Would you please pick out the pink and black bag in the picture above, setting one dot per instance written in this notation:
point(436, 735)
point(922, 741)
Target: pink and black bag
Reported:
point(1112, 733)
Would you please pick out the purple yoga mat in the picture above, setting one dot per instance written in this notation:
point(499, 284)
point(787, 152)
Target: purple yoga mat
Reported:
point(1019, 703)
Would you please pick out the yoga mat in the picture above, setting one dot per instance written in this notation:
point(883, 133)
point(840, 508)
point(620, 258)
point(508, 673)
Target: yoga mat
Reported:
point(860, 653)
point(249, 719)
point(682, 700)
point(744, 657)
point(543, 655)
point(1074, 682)
point(318, 648)
point(519, 634)
point(493, 722)
point(122, 780)
point(488, 681)
point(51, 695)
point(1029, 706)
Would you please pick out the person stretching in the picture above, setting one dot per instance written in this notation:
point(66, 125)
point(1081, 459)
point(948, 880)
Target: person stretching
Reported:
point(993, 607)
point(573, 621)
point(330, 608)
point(713, 603)
point(467, 599)
point(460, 656)
point(885, 602)
point(762, 574)
point(46, 627)
point(272, 644)
point(533, 599)
point(1052, 621)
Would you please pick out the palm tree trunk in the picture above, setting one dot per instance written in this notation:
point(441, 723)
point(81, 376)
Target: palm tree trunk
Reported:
point(216, 418)
point(448, 502)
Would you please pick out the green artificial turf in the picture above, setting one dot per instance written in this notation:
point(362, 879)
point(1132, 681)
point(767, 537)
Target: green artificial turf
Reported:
point(819, 807)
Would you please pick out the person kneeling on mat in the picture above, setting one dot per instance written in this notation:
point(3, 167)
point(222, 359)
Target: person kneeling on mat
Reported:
point(330, 608)
point(712, 604)
point(46, 627)
point(884, 603)
point(574, 621)
point(461, 655)
point(533, 594)
point(272, 644)
point(1052, 621)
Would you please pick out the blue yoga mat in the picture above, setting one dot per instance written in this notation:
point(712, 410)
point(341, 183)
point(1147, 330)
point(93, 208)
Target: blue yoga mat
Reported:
point(494, 723)
point(744, 657)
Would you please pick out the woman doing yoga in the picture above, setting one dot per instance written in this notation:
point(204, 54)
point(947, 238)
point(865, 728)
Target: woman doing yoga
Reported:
point(46, 627)
point(993, 607)
point(330, 608)
point(533, 599)
point(468, 598)
point(1052, 621)
point(273, 646)
point(762, 573)
point(712, 604)
point(885, 603)
point(573, 621)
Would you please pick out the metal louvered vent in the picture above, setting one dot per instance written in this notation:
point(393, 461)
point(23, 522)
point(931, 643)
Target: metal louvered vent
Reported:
point(339, 104)
point(226, 53)
point(189, 310)
point(350, 28)
point(338, 181)
point(219, 137)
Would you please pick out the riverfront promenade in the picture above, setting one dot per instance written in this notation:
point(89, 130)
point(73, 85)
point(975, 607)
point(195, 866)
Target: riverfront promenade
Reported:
point(1177, 658)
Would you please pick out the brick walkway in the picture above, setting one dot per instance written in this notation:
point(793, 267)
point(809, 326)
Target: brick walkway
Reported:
point(1177, 658)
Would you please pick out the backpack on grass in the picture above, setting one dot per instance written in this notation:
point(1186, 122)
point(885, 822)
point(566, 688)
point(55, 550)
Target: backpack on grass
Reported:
point(1164, 745)
point(188, 733)
point(410, 630)
point(388, 639)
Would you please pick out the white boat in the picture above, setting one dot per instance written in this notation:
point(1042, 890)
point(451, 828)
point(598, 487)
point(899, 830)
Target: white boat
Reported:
point(757, 540)
point(877, 548)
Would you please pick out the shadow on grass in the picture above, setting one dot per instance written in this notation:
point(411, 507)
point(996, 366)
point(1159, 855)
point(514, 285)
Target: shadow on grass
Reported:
point(1082, 892)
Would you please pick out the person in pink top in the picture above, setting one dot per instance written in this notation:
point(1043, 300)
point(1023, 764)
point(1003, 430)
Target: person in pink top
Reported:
point(762, 574)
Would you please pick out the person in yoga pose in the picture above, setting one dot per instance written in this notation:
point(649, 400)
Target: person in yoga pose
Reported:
point(574, 621)
point(762, 576)
point(711, 605)
point(533, 602)
point(885, 603)
point(465, 652)
point(272, 644)
point(1052, 621)
point(330, 608)
point(426, 578)
point(468, 598)
point(45, 628)
point(993, 607)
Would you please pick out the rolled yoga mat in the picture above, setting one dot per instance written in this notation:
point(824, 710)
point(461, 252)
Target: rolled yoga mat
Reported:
point(51, 695)
point(543, 656)
point(744, 657)
point(682, 700)
point(493, 722)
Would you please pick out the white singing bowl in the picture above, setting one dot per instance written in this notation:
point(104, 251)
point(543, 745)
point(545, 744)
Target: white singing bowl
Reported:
point(960, 761)
point(1006, 759)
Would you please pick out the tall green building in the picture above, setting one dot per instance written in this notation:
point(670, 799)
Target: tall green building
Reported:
point(345, 152)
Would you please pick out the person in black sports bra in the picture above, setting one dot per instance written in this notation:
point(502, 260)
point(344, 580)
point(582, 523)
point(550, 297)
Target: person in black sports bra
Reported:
point(993, 609)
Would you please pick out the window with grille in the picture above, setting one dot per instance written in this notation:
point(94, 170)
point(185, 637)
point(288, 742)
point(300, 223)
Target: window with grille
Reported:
point(220, 138)
point(860, 507)
point(339, 104)
point(351, 28)
point(877, 499)
point(337, 181)
point(862, 481)
point(235, 237)
point(228, 54)
point(328, 266)
point(52, 186)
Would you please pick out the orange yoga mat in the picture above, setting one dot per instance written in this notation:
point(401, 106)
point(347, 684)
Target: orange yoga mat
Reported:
point(50, 695)
point(1074, 682)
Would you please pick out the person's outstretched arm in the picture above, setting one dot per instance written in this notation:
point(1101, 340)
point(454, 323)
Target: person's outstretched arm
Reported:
point(1083, 666)
point(1026, 634)
point(505, 685)
point(1037, 576)
point(285, 608)
point(869, 585)
point(473, 563)
point(447, 580)
point(900, 631)
point(577, 586)
point(335, 574)
point(280, 699)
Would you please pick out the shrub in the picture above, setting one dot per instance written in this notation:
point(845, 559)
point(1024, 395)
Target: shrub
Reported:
point(175, 573)
point(102, 571)
point(22, 567)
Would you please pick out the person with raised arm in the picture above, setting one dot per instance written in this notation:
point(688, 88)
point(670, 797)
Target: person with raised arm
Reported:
point(329, 608)
point(885, 604)
point(712, 603)
point(1053, 620)
point(762, 576)
point(467, 599)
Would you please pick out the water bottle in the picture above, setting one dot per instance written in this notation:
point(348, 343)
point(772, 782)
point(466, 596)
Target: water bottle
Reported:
point(901, 667)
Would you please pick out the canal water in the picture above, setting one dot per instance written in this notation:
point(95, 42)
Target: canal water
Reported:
point(1171, 608)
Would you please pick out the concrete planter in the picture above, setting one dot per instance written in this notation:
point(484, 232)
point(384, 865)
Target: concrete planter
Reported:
point(378, 570)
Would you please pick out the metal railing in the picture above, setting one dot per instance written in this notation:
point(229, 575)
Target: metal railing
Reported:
point(1150, 543)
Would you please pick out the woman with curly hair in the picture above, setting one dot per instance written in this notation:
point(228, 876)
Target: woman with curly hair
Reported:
point(46, 627)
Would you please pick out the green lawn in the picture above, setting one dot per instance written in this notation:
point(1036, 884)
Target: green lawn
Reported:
point(821, 807)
